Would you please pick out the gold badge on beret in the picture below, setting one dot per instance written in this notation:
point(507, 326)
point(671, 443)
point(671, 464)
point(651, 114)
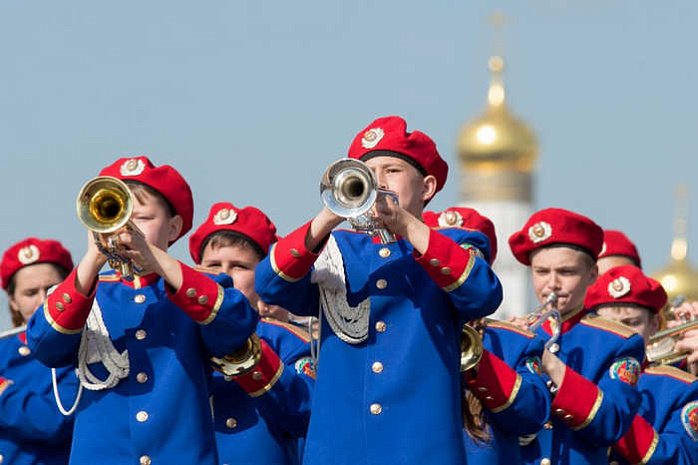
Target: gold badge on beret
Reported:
point(28, 255)
point(225, 216)
point(371, 138)
point(619, 287)
point(132, 167)
point(450, 218)
point(540, 232)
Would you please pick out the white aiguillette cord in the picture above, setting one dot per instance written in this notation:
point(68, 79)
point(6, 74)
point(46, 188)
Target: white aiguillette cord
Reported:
point(95, 346)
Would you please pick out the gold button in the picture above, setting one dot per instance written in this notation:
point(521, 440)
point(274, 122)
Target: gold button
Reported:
point(141, 334)
point(66, 298)
point(295, 253)
point(434, 262)
point(614, 462)
point(554, 348)
point(568, 417)
point(381, 284)
point(380, 326)
point(203, 299)
point(145, 460)
point(482, 389)
point(545, 461)
point(191, 292)
point(384, 252)
point(24, 351)
point(559, 412)
point(489, 398)
point(228, 378)
point(142, 416)
point(256, 375)
point(60, 307)
point(377, 367)
point(139, 299)
point(142, 377)
point(376, 409)
point(231, 423)
point(445, 270)
point(1, 458)
point(548, 425)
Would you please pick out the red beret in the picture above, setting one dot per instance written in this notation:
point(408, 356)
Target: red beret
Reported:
point(617, 243)
point(626, 285)
point(464, 218)
point(30, 252)
point(164, 179)
point(389, 137)
point(556, 226)
point(224, 216)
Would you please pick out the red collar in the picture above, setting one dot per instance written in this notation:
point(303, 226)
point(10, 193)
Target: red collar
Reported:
point(568, 321)
point(140, 281)
point(23, 337)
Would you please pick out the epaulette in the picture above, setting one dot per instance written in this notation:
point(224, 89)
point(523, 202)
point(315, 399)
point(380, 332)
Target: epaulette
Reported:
point(509, 327)
point(672, 372)
point(298, 331)
point(619, 329)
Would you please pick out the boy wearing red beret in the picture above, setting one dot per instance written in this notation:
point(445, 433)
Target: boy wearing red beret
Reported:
point(617, 250)
point(391, 314)
point(259, 416)
point(665, 429)
point(142, 347)
point(593, 401)
point(32, 430)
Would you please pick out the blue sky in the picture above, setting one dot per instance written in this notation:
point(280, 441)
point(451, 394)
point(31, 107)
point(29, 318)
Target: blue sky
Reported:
point(252, 100)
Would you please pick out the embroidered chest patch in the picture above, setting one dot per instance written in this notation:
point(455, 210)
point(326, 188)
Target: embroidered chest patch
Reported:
point(626, 370)
point(533, 365)
point(689, 418)
point(304, 366)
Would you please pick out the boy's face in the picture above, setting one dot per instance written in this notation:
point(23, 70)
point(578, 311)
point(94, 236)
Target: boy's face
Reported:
point(154, 220)
point(612, 261)
point(565, 271)
point(640, 319)
point(31, 284)
point(397, 175)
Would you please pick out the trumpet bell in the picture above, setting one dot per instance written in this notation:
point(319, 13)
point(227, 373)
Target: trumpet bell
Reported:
point(348, 188)
point(104, 204)
point(470, 348)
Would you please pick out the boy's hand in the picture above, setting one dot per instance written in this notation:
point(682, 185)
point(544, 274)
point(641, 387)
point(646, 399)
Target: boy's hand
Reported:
point(148, 257)
point(399, 221)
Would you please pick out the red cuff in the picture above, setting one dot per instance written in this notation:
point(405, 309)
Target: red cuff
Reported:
point(199, 296)
point(263, 377)
point(446, 262)
point(289, 257)
point(639, 443)
point(4, 384)
point(577, 400)
point(494, 382)
point(66, 309)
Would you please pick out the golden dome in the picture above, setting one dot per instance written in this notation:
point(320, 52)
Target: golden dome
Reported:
point(679, 278)
point(497, 140)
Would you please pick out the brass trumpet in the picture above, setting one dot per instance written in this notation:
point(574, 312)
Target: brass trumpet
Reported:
point(540, 315)
point(661, 347)
point(241, 360)
point(470, 348)
point(104, 205)
point(349, 189)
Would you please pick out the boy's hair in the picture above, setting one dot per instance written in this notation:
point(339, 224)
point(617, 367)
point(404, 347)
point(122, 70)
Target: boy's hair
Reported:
point(227, 238)
point(138, 189)
point(17, 319)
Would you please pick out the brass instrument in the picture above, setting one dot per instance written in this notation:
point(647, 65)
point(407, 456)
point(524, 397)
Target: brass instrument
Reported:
point(540, 315)
point(661, 347)
point(470, 348)
point(349, 189)
point(104, 205)
point(240, 361)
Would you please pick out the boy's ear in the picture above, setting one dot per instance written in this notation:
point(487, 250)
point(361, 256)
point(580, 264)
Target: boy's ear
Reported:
point(176, 224)
point(428, 187)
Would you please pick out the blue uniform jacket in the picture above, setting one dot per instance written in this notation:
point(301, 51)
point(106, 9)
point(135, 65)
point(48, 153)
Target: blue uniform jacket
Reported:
point(597, 400)
point(510, 386)
point(32, 430)
point(394, 397)
point(665, 429)
point(160, 413)
point(265, 429)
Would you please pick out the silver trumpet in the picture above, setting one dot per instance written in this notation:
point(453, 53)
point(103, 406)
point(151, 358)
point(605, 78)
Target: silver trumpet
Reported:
point(661, 347)
point(541, 314)
point(349, 189)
